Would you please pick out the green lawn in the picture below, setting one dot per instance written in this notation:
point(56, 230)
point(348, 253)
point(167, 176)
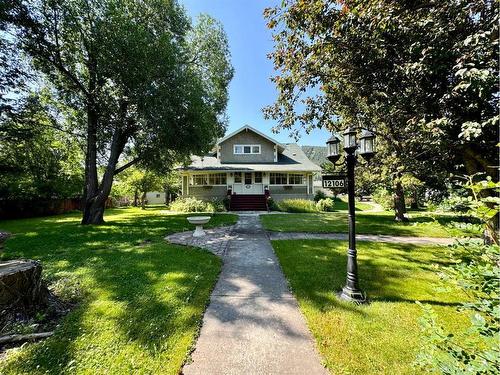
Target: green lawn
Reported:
point(421, 224)
point(379, 338)
point(342, 205)
point(143, 301)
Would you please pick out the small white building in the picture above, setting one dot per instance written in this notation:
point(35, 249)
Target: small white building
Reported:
point(155, 197)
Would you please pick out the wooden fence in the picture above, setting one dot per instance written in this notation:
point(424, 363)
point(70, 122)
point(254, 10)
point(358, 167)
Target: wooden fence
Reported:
point(18, 209)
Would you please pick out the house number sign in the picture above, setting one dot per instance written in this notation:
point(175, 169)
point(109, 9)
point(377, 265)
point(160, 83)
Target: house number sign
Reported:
point(333, 181)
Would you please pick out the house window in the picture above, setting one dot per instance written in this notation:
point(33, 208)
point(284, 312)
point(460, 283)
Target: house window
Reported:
point(237, 177)
point(157, 195)
point(295, 179)
point(217, 179)
point(277, 178)
point(246, 149)
point(199, 179)
point(248, 178)
point(258, 177)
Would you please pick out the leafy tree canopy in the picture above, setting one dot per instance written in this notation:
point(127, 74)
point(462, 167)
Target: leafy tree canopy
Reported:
point(143, 82)
point(422, 75)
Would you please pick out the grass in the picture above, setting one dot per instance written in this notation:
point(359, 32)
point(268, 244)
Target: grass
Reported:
point(341, 205)
point(143, 300)
point(384, 336)
point(421, 224)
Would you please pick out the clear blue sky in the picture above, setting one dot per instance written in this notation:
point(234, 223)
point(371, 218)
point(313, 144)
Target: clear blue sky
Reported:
point(250, 41)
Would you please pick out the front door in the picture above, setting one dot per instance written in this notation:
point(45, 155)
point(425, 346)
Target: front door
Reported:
point(248, 183)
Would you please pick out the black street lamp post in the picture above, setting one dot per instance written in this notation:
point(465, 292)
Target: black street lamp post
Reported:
point(351, 291)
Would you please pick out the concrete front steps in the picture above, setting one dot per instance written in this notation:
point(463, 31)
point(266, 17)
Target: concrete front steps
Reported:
point(248, 202)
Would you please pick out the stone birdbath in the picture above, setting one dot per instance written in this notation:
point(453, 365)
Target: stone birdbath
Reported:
point(198, 221)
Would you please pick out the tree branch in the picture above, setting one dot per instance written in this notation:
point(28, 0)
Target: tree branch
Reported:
point(127, 165)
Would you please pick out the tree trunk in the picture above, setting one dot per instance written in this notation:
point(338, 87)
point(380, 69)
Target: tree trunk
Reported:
point(414, 203)
point(475, 163)
point(21, 286)
point(399, 201)
point(136, 198)
point(90, 215)
point(95, 198)
point(143, 201)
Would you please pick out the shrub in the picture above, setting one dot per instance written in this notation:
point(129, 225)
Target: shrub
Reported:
point(455, 203)
point(474, 268)
point(326, 205)
point(227, 202)
point(297, 205)
point(384, 198)
point(320, 194)
point(217, 204)
point(272, 205)
point(191, 204)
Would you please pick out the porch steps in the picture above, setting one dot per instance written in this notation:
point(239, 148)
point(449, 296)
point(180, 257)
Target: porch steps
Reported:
point(248, 202)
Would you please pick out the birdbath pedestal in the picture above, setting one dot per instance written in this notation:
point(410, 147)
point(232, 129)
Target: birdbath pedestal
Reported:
point(198, 221)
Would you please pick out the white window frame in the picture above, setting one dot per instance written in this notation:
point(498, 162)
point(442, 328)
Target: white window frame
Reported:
point(199, 175)
point(242, 147)
point(206, 179)
point(281, 173)
point(296, 174)
point(215, 175)
point(304, 178)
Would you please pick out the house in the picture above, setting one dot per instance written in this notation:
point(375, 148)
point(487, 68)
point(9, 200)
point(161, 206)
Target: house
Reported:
point(247, 166)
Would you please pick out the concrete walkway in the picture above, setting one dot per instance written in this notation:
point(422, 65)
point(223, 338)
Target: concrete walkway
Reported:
point(253, 324)
point(361, 237)
point(215, 240)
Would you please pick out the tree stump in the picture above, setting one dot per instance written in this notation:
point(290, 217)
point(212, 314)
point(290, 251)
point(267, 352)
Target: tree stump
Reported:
point(21, 285)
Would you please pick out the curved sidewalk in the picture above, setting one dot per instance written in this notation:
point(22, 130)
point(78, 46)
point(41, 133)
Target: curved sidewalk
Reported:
point(253, 324)
point(360, 237)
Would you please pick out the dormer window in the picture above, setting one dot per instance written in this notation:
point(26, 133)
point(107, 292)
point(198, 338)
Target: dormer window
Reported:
point(246, 149)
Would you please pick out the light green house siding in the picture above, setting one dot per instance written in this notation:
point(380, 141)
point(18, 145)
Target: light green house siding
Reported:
point(267, 149)
point(207, 192)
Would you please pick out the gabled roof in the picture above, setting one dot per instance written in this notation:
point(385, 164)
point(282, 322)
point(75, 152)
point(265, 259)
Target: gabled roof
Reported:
point(281, 147)
point(291, 159)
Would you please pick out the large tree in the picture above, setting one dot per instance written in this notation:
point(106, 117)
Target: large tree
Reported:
point(421, 74)
point(143, 82)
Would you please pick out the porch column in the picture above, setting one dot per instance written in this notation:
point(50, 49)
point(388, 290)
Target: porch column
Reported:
point(229, 179)
point(265, 178)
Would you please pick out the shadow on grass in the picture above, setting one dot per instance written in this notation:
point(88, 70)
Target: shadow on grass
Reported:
point(316, 270)
point(141, 295)
point(372, 223)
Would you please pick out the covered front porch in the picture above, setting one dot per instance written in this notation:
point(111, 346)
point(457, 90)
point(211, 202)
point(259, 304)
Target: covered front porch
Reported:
point(219, 184)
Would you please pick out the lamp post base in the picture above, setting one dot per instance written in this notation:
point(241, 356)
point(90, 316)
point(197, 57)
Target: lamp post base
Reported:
point(350, 295)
